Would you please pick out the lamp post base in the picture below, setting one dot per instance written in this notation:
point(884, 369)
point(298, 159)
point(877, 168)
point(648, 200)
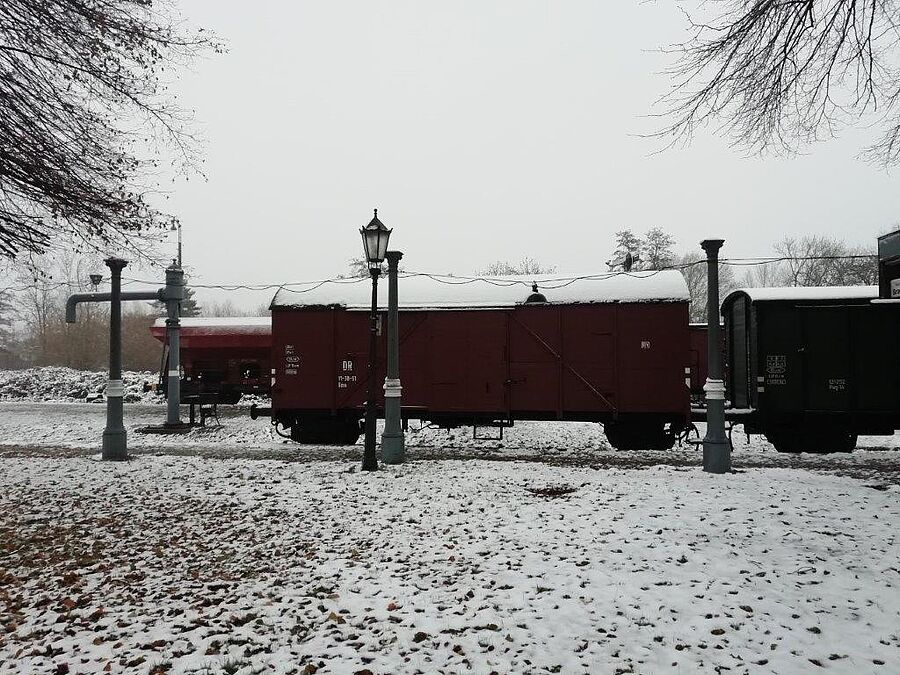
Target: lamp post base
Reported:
point(115, 445)
point(393, 448)
point(716, 456)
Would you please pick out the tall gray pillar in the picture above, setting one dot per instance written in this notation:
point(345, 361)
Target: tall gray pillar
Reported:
point(393, 449)
point(115, 445)
point(716, 447)
point(174, 295)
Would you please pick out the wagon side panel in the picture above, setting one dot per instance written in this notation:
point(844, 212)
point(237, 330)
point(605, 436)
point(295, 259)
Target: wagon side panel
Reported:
point(534, 372)
point(301, 359)
point(588, 357)
point(466, 362)
point(653, 352)
point(349, 360)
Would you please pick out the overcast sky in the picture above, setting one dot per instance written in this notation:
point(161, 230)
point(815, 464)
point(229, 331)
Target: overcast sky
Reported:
point(481, 130)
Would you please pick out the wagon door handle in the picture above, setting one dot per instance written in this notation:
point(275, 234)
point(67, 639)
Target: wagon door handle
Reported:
point(509, 382)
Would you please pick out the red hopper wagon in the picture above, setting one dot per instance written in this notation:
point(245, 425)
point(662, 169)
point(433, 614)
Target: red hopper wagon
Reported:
point(222, 357)
point(607, 349)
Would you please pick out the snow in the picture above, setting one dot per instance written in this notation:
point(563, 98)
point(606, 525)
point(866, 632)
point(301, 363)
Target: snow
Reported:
point(217, 321)
point(775, 293)
point(230, 550)
point(57, 383)
point(424, 292)
point(217, 325)
point(208, 566)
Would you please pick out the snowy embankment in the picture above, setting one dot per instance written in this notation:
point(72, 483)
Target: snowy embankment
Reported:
point(57, 383)
point(189, 565)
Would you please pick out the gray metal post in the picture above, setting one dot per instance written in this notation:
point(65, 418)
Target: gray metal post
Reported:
point(392, 441)
point(174, 294)
point(115, 445)
point(716, 447)
point(370, 461)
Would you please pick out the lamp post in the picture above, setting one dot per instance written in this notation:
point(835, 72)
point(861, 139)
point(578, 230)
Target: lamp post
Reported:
point(375, 242)
point(177, 227)
point(716, 447)
point(174, 296)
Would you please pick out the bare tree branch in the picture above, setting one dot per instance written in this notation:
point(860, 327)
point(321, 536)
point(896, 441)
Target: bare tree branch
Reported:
point(783, 73)
point(81, 102)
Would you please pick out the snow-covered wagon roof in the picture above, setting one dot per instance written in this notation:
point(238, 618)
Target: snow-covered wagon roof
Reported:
point(430, 292)
point(804, 293)
point(213, 324)
point(215, 331)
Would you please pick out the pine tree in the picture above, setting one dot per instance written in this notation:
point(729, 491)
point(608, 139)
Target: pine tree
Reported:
point(189, 306)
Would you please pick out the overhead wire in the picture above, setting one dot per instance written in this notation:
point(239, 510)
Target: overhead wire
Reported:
point(547, 283)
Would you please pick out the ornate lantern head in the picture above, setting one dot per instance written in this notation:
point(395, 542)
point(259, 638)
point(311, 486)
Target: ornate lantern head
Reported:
point(375, 241)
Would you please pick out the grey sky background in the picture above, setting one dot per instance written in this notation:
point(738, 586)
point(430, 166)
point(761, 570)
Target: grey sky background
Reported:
point(481, 130)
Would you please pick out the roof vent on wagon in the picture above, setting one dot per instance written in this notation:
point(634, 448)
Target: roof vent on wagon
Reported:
point(536, 296)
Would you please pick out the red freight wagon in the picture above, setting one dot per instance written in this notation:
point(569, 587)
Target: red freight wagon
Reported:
point(222, 357)
point(609, 349)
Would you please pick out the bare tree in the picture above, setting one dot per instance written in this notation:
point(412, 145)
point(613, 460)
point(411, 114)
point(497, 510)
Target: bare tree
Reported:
point(140, 350)
point(815, 260)
point(782, 73)
point(8, 347)
point(763, 275)
point(822, 261)
point(656, 251)
point(49, 340)
point(80, 102)
point(228, 308)
point(359, 269)
point(526, 265)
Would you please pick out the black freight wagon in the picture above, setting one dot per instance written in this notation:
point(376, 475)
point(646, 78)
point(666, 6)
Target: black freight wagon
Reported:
point(812, 368)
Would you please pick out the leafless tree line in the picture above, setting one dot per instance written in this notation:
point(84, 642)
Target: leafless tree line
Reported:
point(811, 260)
point(33, 330)
point(526, 265)
point(37, 333)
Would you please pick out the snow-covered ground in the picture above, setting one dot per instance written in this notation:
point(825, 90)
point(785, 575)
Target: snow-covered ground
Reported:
point(199, 565)
point(75, 429)
point(230, 550)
